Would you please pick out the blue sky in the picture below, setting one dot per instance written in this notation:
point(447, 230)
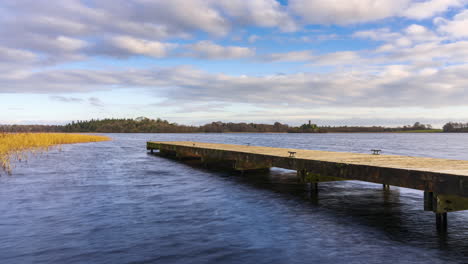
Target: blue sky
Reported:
point(356, 62)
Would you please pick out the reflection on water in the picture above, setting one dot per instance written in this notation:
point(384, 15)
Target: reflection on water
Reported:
point(111, 202)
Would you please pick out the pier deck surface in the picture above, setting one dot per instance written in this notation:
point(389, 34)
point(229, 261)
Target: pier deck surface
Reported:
point(433, 165)
point(441, 176)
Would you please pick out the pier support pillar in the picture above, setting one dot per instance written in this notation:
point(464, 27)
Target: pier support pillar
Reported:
point(441, 204)
point(428, 201)
point(313, 192)
point(302, 175)
point(441, 222)
point(314, 186)
point(386, 186)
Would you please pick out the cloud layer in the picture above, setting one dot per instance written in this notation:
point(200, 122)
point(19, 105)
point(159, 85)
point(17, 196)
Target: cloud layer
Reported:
point(415, 51)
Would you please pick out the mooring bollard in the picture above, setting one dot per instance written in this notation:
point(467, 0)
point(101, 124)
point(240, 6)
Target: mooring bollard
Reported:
point(376, 151)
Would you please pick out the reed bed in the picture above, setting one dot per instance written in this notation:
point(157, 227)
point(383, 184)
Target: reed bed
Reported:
point(18, 146)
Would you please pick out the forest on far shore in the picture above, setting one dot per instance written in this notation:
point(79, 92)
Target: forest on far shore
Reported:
point(147, 125)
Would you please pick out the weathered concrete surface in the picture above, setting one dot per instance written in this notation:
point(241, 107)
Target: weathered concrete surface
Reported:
point(441, 176)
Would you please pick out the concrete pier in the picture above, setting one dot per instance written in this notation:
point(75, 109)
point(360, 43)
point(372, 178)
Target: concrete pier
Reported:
point(445, 182)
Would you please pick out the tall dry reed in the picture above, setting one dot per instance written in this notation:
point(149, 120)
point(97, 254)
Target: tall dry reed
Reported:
point(17, 146)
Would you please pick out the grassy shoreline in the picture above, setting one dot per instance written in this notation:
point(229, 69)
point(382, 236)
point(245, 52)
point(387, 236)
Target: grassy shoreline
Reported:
point(422, 131)
point(17, 146)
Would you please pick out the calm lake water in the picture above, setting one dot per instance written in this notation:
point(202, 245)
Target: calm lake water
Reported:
point(111, 202)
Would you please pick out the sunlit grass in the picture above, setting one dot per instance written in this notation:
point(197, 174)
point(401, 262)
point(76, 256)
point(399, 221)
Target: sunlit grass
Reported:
point(17, 146)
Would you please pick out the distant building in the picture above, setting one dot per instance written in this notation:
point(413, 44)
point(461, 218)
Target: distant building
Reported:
point(309, 125)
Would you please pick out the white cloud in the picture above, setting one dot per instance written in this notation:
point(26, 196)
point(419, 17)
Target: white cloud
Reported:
point(17, 56)
point(412, 35)
point(253, 38)
point(361, 11)
point(70, 44)
point(72, 29)
point(134, 46)
point(195, 15)
point(59, 25)
point(210, 50)
point(382, 34)
point(457, 28)
point(427, 9)
point(442, 87)
point(263, 13)
point(346, 12)
point(418, 33)
point(415, 62)
point(124, 46)
point(304, 55)
point(456, 52)
point(340, 58)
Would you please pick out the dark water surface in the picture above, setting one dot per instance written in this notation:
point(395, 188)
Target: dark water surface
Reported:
point(111, 202)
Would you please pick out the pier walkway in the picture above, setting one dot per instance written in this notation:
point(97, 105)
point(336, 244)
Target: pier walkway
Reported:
point(444, 182)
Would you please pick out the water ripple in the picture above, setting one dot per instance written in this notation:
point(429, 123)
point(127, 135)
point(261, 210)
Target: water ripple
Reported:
point(111, 202)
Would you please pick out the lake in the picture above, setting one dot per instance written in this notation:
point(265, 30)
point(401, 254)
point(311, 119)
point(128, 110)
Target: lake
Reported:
point(112, 202)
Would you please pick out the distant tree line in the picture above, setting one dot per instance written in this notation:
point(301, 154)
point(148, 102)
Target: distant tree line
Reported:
point(146, 125)
point(452, 127)
point(312, 128)
point(220, 127)
point(138, 125)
